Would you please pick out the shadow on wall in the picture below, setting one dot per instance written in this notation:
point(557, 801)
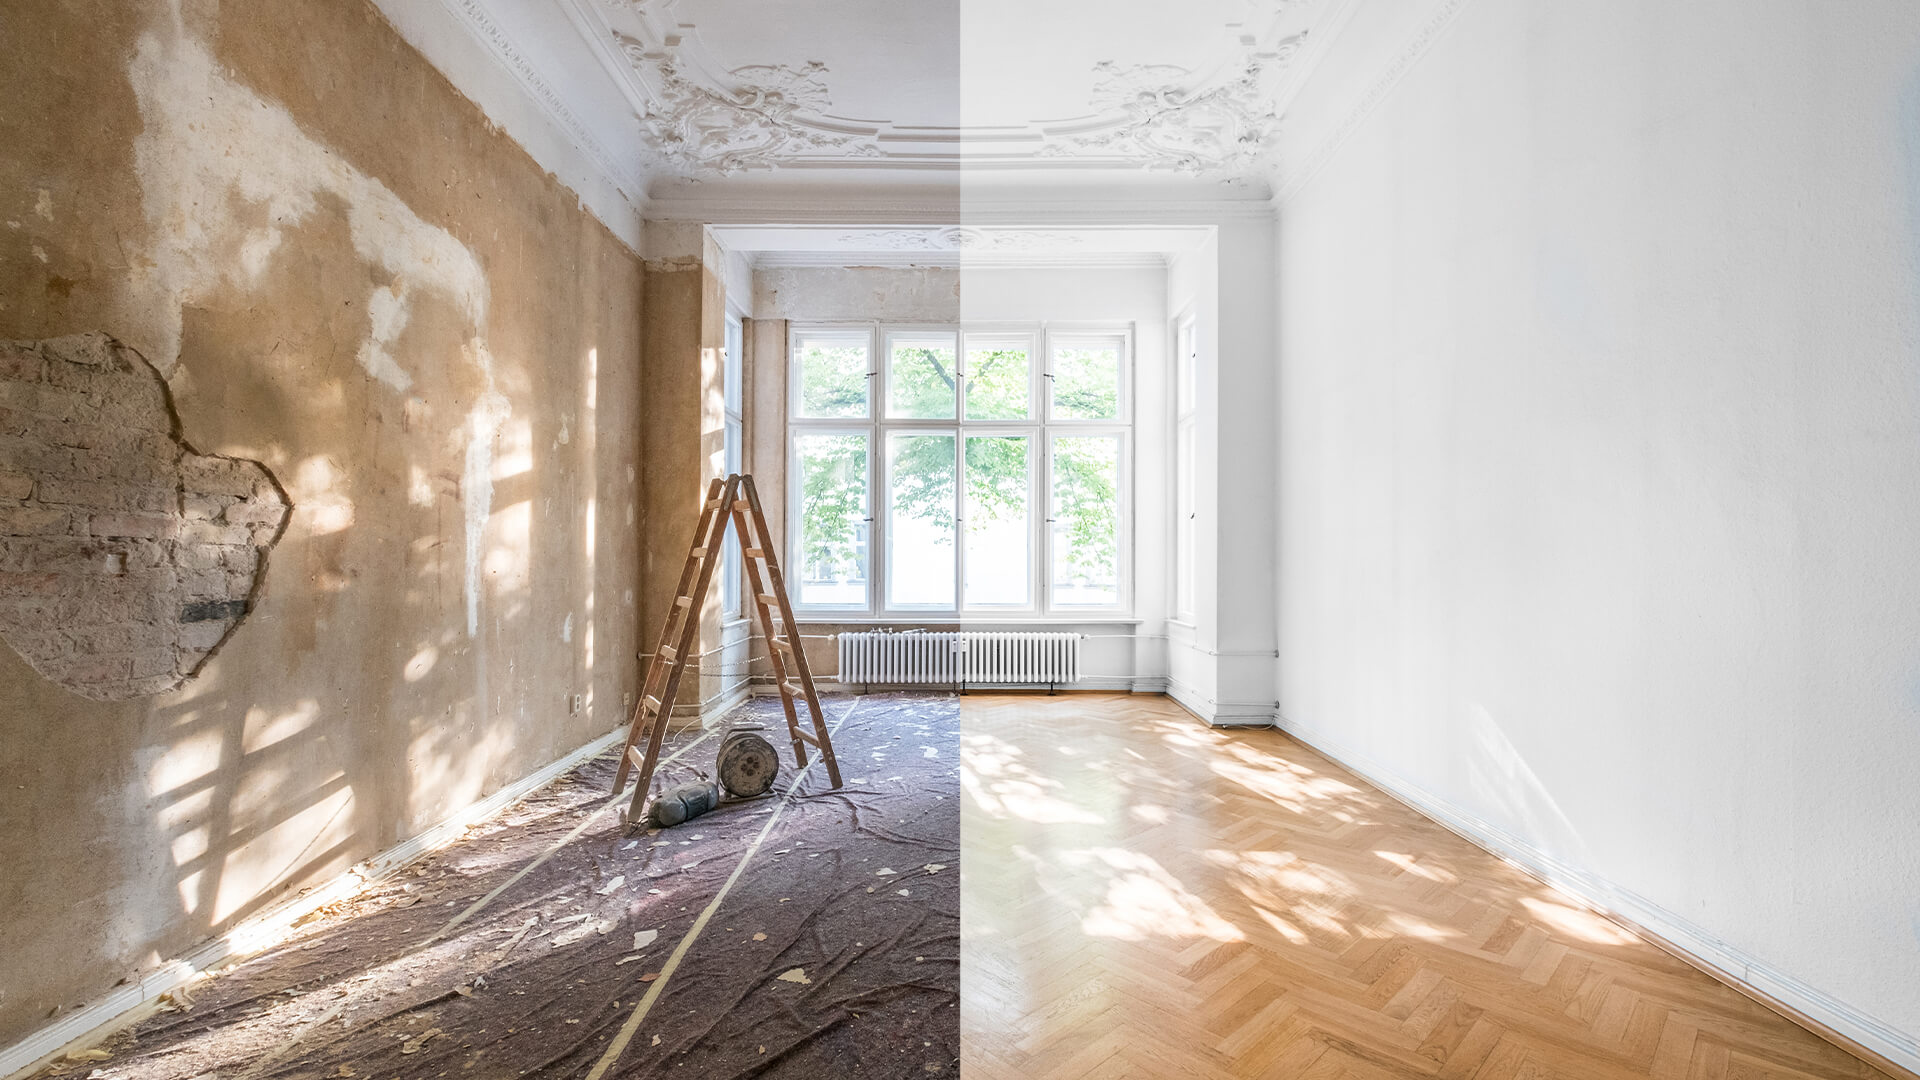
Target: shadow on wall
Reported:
point(426, 619)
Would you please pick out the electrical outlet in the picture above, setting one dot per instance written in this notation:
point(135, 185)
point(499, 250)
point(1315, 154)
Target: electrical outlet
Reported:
point(574, 704)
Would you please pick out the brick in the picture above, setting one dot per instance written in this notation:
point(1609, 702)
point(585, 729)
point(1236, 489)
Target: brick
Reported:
point(213, 611)
point(257, 512)
point(94, 669)
point(138, 525)
point(203, 475)
point(199, 556)
point(30, 584)
point(207, 532)
point(117, 638)
point(15, 485)
point(203, 585)
point(202, 636)
point(33, 521)
point(204, 507)
point(149, 662)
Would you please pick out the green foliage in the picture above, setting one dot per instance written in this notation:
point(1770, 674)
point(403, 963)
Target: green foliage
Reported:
point(997, 384)
point(833, 477)
point(833, 380)
point(1086, 384)
point(922, 382)
point(1086, 503)
point(922, 467)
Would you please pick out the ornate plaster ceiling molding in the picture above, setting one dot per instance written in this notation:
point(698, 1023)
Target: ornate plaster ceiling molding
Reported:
point(961, 238)
point(704, 119)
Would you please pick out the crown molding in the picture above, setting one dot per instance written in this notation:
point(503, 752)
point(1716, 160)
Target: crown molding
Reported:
point(1291, 180)
point(524, 103)
point(701, 119)
point(945, 209)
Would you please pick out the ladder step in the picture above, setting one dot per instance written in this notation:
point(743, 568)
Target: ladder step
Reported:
point(792, 689)
point(742, 505)
point(638, 758)
point(782, 644)
point(755, 553)
point(713, 504)
point(696, 553)
point(651, 704)
point(669, 653)
point(806, 738)
point(683, 601)
point(770, 600)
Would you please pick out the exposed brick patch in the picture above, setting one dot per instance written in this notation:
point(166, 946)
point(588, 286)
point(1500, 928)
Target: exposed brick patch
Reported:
point(125, 557)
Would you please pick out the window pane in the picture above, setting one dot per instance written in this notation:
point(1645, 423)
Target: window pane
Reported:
point(1086, 520)
point(833, 376)
point(920, 377)
point(920, 558)
point(833, 519)
point(1086, 380)
point(999, 563)
point(997, 380)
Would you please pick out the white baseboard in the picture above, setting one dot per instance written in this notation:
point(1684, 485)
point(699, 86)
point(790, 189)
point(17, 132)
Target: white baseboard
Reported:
point(1215, 713)
point(101, 1017)
point(1799, 1001)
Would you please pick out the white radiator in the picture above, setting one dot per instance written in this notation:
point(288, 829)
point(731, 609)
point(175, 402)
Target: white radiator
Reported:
point(877, 656)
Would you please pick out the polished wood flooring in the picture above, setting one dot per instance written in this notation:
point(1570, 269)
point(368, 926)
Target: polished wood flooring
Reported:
point(1147, 897)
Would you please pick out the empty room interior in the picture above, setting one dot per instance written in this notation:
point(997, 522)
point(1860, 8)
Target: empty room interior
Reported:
point(995, 538)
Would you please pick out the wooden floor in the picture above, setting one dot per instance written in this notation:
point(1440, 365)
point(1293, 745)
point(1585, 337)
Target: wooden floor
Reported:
point(1145, 896)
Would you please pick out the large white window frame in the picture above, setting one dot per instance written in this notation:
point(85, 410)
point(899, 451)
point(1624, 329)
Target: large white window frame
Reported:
point(1039, 427)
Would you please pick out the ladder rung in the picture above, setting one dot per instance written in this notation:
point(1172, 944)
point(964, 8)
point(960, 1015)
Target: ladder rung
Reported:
point(669, 653)
point(770, 600)
point(696, 553)
point(713, 504)
point(683, 601)
point(804, 737)
point(792, 689)
point(755, 553)
point(650, 704)
point(782, 643)
point(634, 755)
point(742, 505)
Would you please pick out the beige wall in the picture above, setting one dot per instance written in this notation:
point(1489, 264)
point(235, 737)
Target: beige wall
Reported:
point(348, 275)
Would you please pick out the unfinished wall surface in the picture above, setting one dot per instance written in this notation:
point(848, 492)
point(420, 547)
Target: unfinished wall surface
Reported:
point(1599, 442)
point(345, 274)
point(125, 557)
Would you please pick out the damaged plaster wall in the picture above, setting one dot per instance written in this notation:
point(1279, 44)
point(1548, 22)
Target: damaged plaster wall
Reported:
point(345, 273)
point(129, 558)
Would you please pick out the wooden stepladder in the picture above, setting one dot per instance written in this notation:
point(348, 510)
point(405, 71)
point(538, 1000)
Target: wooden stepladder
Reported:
point(680, 637)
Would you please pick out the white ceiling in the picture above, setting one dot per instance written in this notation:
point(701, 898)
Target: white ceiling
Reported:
point(659, 98)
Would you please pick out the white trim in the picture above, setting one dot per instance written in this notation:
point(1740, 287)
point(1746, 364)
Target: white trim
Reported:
point(1216, 713)
point(94, 1021)
point(1292, 181)
point(1641, 915)
point(1010, 260)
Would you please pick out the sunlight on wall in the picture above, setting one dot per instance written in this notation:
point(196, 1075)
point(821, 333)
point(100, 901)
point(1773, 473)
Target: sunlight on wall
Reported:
point(318, 490)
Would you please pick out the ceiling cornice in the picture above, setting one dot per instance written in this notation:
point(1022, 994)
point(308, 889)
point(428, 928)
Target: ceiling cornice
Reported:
point(963, 261)
point(703, 119)
point(1306, 165)
point(479, 21)
point(723, 209)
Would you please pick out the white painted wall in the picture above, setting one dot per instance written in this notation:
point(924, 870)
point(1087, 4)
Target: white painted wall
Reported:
point(1599, 414)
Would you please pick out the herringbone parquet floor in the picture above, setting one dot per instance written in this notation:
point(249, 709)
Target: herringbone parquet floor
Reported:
point(1148, 897)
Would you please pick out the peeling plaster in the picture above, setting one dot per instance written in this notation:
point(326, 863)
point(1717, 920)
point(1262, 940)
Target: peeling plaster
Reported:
point(212, 154)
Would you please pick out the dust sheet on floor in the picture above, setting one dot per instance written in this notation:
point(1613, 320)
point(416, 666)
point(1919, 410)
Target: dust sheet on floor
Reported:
point(835, 952)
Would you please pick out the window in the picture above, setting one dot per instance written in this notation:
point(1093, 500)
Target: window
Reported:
point(962, 437)
point(1186, 357)
point(733, 428)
